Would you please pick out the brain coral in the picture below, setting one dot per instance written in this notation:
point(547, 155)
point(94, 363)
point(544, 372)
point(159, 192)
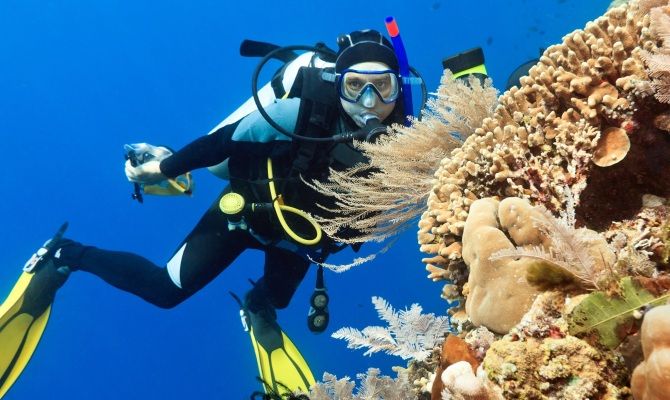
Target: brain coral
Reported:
point(580, 128)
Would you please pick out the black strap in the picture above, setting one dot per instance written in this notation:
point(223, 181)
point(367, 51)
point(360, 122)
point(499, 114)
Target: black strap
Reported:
point(316, 118)
point(277, 83)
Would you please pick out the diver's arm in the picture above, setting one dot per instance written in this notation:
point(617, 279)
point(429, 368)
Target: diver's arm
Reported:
point(203, 152)
point(212, 149)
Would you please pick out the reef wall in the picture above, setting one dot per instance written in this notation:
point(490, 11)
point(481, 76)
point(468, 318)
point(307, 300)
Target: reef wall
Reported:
point(584, 120)
point(564, 192)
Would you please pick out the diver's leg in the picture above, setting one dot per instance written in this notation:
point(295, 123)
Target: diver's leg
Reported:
point(274, 349)
point(283, 272)
point(205, 252)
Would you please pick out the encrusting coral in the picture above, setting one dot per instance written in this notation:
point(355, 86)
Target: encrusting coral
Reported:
point(651, 379)
point(553, 368)
point(539, 360)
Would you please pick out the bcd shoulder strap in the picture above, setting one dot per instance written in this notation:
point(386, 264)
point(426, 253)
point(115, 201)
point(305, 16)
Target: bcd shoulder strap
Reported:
point(316, 118)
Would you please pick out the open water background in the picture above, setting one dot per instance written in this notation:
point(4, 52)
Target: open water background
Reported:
point(78, 79)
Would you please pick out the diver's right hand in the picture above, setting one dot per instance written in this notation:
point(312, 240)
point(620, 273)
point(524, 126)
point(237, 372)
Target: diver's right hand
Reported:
point(148, 173)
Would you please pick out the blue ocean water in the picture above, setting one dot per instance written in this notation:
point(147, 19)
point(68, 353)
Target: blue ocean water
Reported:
point(78, 79)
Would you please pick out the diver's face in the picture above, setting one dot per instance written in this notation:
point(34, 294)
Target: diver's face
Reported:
point(369, 104)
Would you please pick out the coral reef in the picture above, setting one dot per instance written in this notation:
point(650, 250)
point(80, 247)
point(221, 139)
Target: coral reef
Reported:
point(454, 350)
point(550, 224)
point(479, 340)
point(562, 368)
point(651, 379)
point(590, 117)
point(573, 107)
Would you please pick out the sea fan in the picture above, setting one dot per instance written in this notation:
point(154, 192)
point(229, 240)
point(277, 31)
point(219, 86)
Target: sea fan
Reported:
point(378, 200)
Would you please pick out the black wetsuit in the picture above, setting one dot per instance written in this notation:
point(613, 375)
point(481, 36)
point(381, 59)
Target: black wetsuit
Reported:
point(211, 246)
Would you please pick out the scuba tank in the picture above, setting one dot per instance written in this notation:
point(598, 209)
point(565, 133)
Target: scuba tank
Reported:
point(282, 81)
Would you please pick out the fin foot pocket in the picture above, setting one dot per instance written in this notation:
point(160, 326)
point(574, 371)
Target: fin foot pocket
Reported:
point(282, 367)
point(25, 312)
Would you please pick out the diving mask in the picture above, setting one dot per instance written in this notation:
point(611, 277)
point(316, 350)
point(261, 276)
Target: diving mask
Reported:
point(354, 84)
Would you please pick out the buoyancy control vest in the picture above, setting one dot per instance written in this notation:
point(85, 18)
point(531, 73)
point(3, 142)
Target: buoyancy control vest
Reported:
point(319, 116)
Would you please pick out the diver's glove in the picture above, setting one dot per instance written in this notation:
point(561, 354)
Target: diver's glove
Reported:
point(148, 173)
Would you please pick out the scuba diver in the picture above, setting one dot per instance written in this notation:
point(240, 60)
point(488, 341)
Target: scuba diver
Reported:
point(298, 127)
point(267, 156)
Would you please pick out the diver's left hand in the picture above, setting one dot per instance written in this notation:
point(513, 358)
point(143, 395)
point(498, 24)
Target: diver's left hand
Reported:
point(148, 173)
